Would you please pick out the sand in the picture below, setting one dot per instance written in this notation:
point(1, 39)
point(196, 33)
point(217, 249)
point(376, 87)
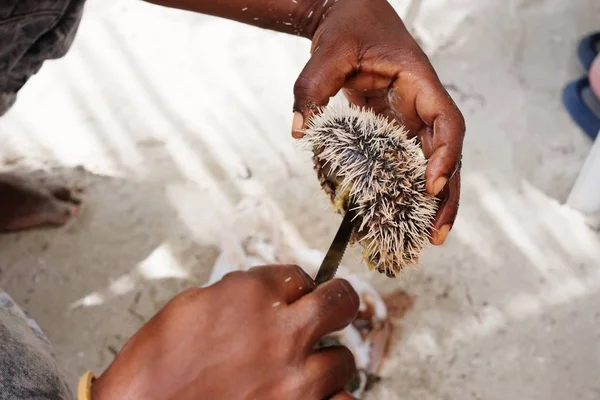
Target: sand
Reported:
point(168, 119)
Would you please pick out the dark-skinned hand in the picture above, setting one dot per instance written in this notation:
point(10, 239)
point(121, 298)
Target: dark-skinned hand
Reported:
point(363, 48)
point(251, 336)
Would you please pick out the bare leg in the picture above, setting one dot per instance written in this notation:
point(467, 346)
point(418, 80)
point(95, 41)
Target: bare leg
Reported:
point(25, 205)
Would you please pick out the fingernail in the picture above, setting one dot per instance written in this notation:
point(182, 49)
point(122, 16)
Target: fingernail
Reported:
point(439, 185)
point(442, 234)
point(297, 124)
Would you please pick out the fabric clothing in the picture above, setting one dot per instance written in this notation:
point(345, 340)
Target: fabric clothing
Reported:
point(31, 31)
point(28, 367)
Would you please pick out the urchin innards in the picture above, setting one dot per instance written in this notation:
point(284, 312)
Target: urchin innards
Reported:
point(368, 162)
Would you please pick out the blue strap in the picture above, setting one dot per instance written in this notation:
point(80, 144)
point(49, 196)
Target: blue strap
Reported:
point(588, 49)
point(577, 108)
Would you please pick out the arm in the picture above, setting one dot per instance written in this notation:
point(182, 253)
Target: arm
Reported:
point(298, 17)
point(363, 48)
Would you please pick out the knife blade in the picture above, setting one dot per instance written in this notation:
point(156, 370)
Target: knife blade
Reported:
point(336, 251)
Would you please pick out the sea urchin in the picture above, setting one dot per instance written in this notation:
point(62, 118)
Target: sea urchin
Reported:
point(366, 162)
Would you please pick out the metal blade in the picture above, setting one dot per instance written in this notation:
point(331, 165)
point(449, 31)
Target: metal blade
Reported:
point(336, 251)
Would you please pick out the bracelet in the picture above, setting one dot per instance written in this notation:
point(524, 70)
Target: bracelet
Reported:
point(84, 389)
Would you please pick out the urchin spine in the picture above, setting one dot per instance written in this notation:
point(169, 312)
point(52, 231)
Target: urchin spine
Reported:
point(370, 160)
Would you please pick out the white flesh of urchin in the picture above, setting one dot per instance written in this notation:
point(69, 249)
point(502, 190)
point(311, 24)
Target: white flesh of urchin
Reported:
point(367, 161)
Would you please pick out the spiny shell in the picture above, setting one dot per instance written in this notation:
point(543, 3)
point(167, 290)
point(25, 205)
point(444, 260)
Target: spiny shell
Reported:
point(364, 159)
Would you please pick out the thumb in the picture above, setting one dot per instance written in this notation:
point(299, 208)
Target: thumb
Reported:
point(322, 78)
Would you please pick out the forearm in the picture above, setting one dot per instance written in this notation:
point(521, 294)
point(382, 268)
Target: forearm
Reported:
point(298, 17)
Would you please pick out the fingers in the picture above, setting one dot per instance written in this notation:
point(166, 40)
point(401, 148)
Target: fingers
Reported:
point(329, 370)
point(329, 308)
point(421, 102)
point(441, 133)
point(402, 97)
point(447, 212)
point(275, 284)
point(322, 78)
point(436, 108)
point(342, 396)
point(449, 196)
point(290, 282)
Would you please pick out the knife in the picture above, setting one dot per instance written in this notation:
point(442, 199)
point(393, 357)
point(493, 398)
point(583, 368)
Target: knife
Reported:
point(336, 251)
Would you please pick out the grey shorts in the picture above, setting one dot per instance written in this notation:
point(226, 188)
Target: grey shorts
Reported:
point(28, 367)
point(32, 31)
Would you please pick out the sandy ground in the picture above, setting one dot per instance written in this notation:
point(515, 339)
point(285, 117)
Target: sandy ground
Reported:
point(167, 119)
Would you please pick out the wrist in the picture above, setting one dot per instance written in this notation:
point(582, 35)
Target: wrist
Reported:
point(299, 17)
point(310, 16)
point(315, 13)
point(92, 388)
point(98, 390)
point(296, 17)
point(112, 386)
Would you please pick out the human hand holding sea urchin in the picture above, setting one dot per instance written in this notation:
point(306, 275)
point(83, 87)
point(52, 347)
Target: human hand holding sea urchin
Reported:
point(368, 163)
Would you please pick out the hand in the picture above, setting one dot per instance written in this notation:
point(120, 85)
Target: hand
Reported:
point(362, 47)
point(249, 336)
